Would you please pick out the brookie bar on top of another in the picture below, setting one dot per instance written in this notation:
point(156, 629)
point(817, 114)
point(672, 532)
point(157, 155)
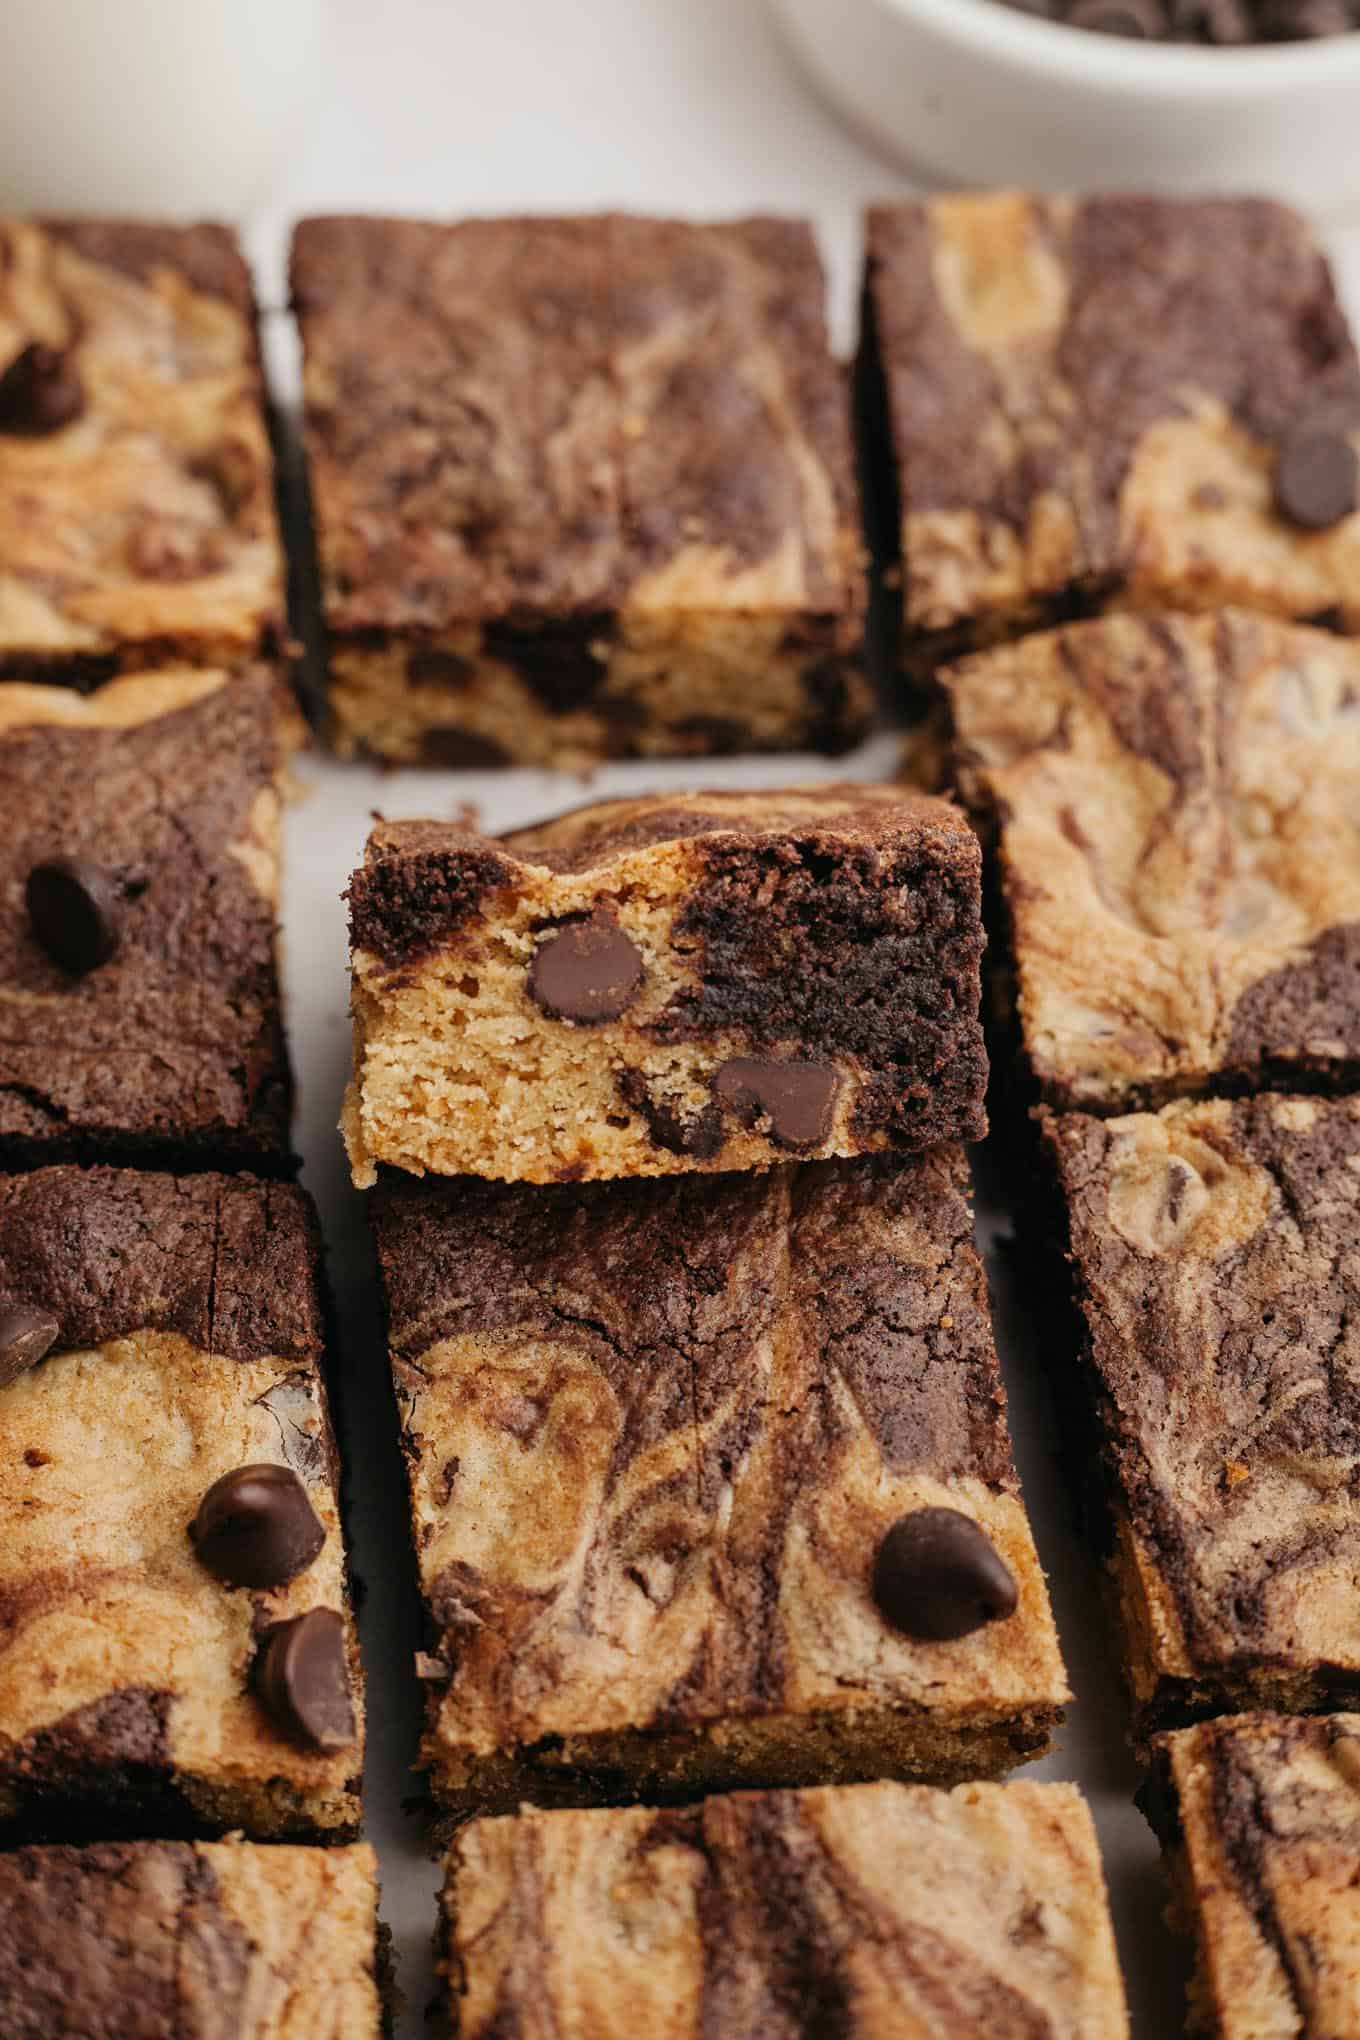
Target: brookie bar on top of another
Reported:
point(190, 1941)
point(711, 1484)
point(1171, 806)
point(178, 1654)
point(1072, 403)
point(868, 1912)
point(581, 488)
point(1215, 1270)
point(140, 1015)
point(137, 520)
point(1259, 1815)
point(706, 981)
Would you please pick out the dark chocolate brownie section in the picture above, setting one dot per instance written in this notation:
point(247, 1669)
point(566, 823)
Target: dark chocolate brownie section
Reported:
point(419, 884)
point(174, 1047)
point(229, 1263)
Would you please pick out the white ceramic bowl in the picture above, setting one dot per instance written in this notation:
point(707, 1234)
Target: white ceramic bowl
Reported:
point(172, 108)
point(978, 93)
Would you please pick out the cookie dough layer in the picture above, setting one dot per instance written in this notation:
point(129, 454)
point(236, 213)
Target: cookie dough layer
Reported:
point(172, 1051)
point(1073, 403)
point(142, 528)
point(181, 1941)
point(1260, 1817)
point(874, 1912)
point(582, 488)
point(1214, 1265)
point(188, 1343)
point(657, 1434)
point(712, 981)
point(1171, 804)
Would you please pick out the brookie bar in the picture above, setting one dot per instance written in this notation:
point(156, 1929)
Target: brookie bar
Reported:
point(1171, 808)
point(1072, 403)
point(137, 520)
point(177, 1654)
point(189, 1941)
point(581, 488)
point(872, 1912)
point(1213, 1261)
point(711, 1484)
point(140, 1015)
point(710, 981)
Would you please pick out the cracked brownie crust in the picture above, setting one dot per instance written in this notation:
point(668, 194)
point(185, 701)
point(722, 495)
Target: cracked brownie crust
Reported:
point(582, 488)
point(1171, 804)
point(137, 514)
point(657, 1435)
point(172, 1336)
point(1079, 402)
point(867, 1911)
point(164, 789)
point(177, 1941)
point(1214, 1265)
point(706, 981)
point(1260, 1818)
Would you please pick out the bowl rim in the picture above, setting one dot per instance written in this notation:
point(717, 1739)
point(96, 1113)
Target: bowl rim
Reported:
point(1189, 71)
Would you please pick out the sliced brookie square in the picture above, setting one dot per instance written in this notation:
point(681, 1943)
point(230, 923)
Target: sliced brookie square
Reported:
point(190, 1939)
point(708, 981)
point(137, 515)
point(1260, 1818)
point(1171, 809)
point(1214, 1266)
point(711, 1484)
point(178, 1654)
point(140, 1014)
point(1077, 403)
point(581, 488)
point(872, 1912)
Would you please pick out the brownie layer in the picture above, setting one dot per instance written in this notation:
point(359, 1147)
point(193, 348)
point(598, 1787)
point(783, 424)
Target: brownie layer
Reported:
point(710, 981)
point(662, 1438)
point(136, 481)
point(1212, 1257)
point(1260, 1818)
point(1081, 402)
point(581, 488)
point(872, 1910)
point(1170, 807)
point(177, 1941)
point(159, 796)
point(157, 1335)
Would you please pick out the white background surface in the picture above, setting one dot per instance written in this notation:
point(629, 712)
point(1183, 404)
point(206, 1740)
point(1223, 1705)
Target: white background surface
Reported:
point(681, 106)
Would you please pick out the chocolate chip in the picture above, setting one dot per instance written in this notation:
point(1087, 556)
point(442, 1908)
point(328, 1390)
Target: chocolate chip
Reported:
point(939, 1577)
point(302, 1679)
point(26, 1337)
point(587, 972)
point(796, 1097)
point(73, 912)
point(1317, 478)
point(40, 391)
point(255, 1527)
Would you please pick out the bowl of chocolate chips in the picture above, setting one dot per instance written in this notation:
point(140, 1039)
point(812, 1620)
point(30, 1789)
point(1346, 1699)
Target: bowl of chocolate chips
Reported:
point(1170, 95)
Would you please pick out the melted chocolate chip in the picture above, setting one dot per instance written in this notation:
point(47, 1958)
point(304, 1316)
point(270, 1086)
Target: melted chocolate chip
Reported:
point(40, 391)
point(1317, 478)
point(589, 971)
point(797, 1098)
point(302, 1679)
point(73, 908)
point(939, 1577)
point(255, 1527)
point(26, 1337)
